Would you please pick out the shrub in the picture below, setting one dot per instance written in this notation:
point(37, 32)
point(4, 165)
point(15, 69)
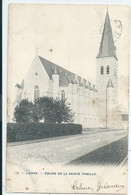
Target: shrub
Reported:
point(47, 108)
point(31, 131)
point(23, 111)
point(53, 110)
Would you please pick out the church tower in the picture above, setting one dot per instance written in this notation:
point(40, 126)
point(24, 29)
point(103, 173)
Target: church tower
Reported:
point(107, 67)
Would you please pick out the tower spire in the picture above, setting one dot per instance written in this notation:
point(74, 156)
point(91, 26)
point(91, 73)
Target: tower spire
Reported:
point(107, 48)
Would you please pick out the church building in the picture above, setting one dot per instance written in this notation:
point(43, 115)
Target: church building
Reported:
point(95, 106)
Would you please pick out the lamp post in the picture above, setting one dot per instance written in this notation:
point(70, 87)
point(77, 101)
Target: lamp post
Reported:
point(106, 106)
point(110, 85)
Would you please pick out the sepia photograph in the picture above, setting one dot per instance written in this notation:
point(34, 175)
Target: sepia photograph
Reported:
point(68, 98)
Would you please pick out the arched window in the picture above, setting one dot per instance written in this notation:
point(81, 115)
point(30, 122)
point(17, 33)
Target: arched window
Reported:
point(102, 70)
point(62, 95)
point(108, 70)
point(36, 92)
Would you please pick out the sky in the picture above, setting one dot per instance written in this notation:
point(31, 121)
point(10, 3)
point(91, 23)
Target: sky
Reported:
point(68, 35)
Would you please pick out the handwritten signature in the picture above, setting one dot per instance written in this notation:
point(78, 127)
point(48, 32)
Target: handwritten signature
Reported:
point(106, 186)
point(79, 186)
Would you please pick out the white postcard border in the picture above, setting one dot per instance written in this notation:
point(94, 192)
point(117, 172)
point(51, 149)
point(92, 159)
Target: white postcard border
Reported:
point(4, 67)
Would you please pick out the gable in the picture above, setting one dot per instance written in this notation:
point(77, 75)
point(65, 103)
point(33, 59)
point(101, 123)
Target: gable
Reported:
point(36, 76)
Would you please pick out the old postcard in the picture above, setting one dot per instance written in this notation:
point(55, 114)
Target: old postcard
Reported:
point(68, 88)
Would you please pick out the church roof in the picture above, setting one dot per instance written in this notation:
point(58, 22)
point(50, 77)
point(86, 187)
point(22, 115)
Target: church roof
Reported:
point(66, 76)
point(50, 67)
point(63, 81)
point(107, 48)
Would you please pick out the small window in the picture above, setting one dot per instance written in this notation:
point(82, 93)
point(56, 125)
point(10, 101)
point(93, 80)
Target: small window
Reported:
point(102, 70)
point(62, 95)
point(107, 70)
point(36, 74)
point(36, 92)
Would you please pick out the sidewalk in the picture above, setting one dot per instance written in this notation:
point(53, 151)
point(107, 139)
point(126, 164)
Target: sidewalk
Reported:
point(62, 149)
point(84, 131)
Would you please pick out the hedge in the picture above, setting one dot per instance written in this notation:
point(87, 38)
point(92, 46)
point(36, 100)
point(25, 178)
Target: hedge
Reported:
point(31, 131)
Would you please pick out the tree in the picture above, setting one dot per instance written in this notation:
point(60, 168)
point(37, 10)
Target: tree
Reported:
point(53, 110)
point(44, 109)
point(63, 112)
point(47, 108)
point(24, 111)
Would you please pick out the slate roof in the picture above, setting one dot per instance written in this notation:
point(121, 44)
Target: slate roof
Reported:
point(107, 48)
point(63, 81)
point(66, 76)
point(50, 67)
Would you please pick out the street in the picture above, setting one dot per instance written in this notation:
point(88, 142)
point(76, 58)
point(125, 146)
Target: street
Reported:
point(93, 146)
